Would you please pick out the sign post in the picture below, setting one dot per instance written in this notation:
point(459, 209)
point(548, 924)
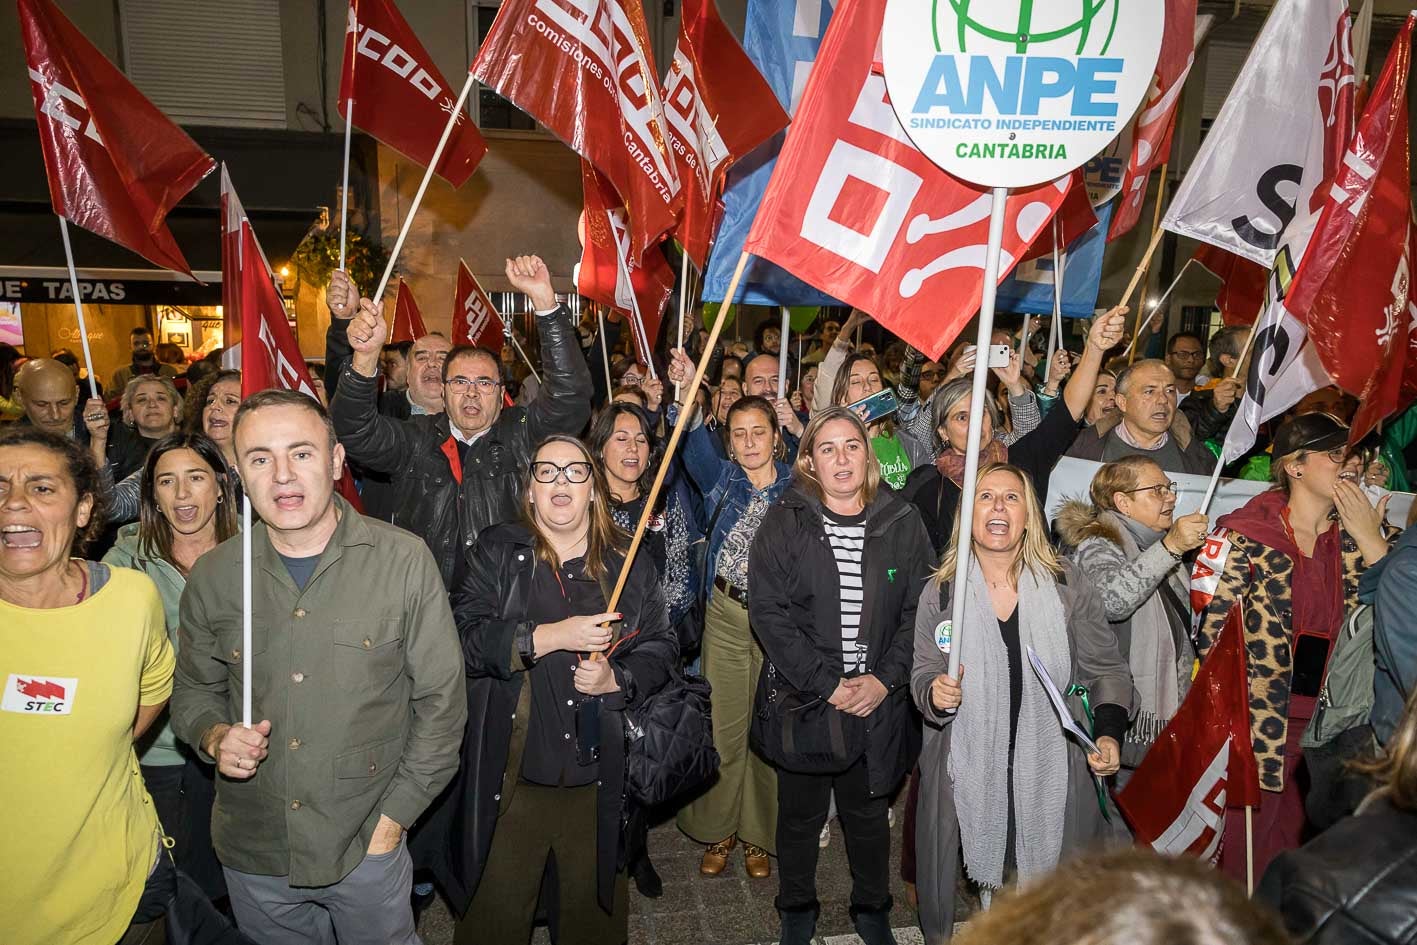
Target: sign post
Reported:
point(1005, 95)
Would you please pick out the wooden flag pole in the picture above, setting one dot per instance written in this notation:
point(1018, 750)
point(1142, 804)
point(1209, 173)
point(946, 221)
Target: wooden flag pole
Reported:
point(344, 185)
point(78, 306)
point(1131, 349)
point(1141, 268)
point(604, 351)
point(453, 116)
point(964, 517)
point(1146, 263)
point(685, 411)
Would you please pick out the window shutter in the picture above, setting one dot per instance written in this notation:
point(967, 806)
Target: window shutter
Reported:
point(207, 62)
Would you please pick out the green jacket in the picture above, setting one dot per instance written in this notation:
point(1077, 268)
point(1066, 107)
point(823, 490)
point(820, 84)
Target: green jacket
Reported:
point(361, 677)
point(159, 744)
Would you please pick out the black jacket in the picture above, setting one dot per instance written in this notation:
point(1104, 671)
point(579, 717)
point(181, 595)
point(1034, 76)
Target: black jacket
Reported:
point(376, 489)
point(490, 605)
point(448, 500)
point(1354, 884)
point(1206, 420)
point(795, 608)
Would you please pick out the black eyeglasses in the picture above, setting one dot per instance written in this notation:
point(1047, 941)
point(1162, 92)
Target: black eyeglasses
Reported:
point(461, 385)
point(545, 472)
point(1338, 455)
point(1161, 489)
point(932, 375)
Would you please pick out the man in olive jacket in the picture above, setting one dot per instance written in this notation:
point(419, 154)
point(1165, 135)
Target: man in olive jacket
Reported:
point(460, 471)
point(356, 693)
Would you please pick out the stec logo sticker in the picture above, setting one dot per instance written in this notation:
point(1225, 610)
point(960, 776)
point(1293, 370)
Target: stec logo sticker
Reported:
point(1017, 91)
point(39, 695)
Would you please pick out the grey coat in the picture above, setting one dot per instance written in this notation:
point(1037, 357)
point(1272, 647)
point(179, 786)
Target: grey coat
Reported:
point(1096, 664)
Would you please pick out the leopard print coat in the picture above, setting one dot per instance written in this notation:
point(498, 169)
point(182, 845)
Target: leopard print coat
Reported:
point(1259, 576)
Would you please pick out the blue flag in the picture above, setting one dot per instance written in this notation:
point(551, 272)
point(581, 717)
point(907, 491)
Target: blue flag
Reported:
point(1029, 289)
point(782, 38)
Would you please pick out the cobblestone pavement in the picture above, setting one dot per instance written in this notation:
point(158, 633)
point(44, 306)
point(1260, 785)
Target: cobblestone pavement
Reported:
point(729, 909)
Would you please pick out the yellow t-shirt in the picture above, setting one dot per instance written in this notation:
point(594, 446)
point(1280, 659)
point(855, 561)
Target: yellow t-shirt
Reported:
point(80, 831)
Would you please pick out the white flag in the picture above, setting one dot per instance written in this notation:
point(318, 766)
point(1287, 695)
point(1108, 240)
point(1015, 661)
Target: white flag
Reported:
point(1259, 172)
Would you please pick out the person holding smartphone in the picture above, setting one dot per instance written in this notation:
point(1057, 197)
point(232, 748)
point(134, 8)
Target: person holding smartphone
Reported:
point(1294, 571)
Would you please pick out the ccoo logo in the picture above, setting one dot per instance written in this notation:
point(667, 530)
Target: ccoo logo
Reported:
point(1015, 92)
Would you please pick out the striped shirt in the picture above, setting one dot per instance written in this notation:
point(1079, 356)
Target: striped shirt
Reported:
point(847, 536)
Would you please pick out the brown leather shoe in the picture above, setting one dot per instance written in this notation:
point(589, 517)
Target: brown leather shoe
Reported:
point(755, 860)
point(716, 856)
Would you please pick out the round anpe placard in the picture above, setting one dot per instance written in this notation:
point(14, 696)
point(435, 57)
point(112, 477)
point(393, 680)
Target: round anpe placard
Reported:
point(1012, 93)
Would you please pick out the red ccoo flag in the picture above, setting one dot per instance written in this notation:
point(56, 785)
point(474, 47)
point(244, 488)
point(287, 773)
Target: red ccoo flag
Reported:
point(116, 165)
point(1241, 297)
point(408, 320)
point(610, 275)
point(1151, 140)
point(399, 95)
point(583, 68)
point(718, 107)
point(1351, 290)
point(476, 320)
point(1202, 762)
point(854, 208)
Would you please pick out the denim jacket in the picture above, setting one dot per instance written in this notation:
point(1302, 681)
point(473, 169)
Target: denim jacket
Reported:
point(725, 488)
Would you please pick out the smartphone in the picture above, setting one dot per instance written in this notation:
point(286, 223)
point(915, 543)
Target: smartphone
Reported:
point(878, 405)
point(1310, 659)
point(999, 356)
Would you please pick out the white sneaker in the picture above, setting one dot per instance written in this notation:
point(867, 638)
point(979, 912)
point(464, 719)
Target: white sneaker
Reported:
point(825, 839)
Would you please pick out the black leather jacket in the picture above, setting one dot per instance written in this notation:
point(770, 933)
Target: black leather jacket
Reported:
point(1354, 883)
point(445, 501)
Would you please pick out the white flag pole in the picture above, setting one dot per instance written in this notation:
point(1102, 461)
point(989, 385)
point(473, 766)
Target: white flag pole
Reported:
point(78, 306)
point(515, 344)
point(964, 518)
point(1055, 330)
point(1141, 329)
point(245, 610)
point(344, 184)
point(604, 352)
point(683, 305)
point(453, 117)
point(782, 353)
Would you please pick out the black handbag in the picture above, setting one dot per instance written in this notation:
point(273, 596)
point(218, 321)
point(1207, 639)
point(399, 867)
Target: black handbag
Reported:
point(800, 732)
point(670, 741)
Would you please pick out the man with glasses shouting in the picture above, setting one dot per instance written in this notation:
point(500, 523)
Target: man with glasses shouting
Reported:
point(457, 472)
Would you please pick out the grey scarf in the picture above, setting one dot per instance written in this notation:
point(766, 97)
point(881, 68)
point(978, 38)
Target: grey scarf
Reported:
point(979, 742)
point(1157, 663)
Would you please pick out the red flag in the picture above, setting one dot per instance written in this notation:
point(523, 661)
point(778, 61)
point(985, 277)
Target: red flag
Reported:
point(272, 358)
point(583, 68)
point(1351, 290)
point(476, 320)
point(718, 108)
point(854, 208)
point(1242, 294)
point(116, 165)
point(408, 320)
point(638, 286)
point(1151, 140)
point(399, 95)
point(1202, 762)
point(1074, 218)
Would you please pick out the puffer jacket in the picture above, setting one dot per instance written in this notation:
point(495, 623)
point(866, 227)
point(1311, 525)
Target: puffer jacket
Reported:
point(1328, 896)
point(795, 611)
point(490, 605)
point(446, 500)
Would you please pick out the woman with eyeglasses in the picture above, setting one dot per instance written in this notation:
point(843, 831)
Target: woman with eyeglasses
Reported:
point(1131, 545)
point(837, 567)
point(998, 776)
point(188, 508)
point(1291, 558)
point(550, 674)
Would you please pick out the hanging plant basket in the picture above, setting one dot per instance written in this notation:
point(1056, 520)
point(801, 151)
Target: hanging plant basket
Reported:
point(317, 257)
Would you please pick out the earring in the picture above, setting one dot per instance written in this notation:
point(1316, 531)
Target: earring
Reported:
point(218, 499)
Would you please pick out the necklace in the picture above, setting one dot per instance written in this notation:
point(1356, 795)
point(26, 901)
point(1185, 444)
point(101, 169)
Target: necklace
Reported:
point(84, 578)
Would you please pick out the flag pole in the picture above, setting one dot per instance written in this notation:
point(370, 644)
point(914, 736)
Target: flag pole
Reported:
point(1141, 268)
point(683, 303)
point(1146, 264)
point(1220, 462)
point(245, 610)
point(1249, 849)
point(453, 117)
point(526, 360)
point(1131, 349)
point(964, 520)
point(78, 305)
point(604, 352)
point(1055, 330)
point(782, 353)
point(344, 185)
point(685, 410)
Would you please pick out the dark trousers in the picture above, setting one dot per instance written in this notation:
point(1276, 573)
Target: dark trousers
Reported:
point(544, 827)
point(183, 796)
point(802, 801)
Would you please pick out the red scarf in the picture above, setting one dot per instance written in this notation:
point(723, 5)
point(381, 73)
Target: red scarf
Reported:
point(950, 463)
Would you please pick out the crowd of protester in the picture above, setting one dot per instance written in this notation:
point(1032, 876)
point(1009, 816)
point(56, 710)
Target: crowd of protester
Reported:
point(441, 687)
